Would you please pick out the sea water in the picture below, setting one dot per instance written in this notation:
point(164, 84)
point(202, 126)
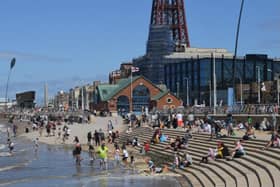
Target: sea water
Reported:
point(55, 166)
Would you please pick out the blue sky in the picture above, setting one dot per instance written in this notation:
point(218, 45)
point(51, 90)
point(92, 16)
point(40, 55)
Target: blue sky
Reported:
point(68, 42)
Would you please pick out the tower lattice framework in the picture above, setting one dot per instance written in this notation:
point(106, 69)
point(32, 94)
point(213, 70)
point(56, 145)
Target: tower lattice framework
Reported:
point(171, 12)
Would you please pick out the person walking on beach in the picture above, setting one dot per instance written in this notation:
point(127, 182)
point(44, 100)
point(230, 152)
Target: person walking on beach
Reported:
point(103, 151)
point(15, 127)
point(125, 156)
point(77, 153)
point(91, 153)
point(117, 154)
point(59, 133)
point(10, 146)
point(36, 145)
point(8, 132)
point(41, 126)
point(101, 135)
point(96, 138)
point(89, 137)
point(110, 126)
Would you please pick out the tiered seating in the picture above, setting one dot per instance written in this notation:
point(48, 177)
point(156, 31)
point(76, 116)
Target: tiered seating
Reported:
point(257, 168)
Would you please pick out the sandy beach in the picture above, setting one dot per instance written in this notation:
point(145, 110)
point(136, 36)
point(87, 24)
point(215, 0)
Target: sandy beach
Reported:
point(79, 130)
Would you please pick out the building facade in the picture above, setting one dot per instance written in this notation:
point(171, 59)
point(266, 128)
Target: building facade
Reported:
point(135, 95)
point(26, 99)
point(61, 101)
point(196, 74)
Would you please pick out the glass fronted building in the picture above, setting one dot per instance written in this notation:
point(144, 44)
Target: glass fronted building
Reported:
point(196, 75)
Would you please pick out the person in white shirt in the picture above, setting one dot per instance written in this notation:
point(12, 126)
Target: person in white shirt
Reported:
point(179, 118)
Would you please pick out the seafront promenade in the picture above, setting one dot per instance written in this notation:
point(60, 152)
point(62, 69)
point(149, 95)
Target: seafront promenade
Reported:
point(256, 168)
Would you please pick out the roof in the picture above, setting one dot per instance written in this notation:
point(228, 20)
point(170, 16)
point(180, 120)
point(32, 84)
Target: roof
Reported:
point(160, 95)
point(107, 91)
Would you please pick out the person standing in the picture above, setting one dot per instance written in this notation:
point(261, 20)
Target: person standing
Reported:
point(36, 145)
point(110, 126)
point(125, 156)
point(15, 127)
point(179, 118)
point(91, 153)
point(117, 154)
point(77, 153)
point(89, 137)
point(10, 146)
point(103, 151)
point(96, 138)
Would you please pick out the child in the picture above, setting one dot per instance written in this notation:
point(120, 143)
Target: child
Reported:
point(91, 153)
point(11, 146)
point(132, 161)
point(36, 145)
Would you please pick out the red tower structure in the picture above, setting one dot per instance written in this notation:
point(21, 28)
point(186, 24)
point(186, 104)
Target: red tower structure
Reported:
point(171, 12)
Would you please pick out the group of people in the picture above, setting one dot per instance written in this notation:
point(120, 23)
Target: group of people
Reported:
point(223, 152)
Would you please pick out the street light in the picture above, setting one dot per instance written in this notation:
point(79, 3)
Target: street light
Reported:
point(12, 64)
point(259, 84)
point(236, 44)
point(241, 91)
point(178, 88)
point(188, 99)
point(210, 94)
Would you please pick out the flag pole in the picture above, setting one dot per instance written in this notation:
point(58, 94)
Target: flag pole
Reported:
point(131, 88)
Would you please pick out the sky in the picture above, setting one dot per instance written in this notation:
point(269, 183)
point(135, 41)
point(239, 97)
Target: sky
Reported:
point(66, 43)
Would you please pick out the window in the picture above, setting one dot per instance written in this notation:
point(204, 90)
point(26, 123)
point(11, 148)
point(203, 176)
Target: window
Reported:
point(169, 100)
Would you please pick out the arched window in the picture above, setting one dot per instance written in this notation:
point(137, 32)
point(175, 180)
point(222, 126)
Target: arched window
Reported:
point(140, 98)
point(122, 105)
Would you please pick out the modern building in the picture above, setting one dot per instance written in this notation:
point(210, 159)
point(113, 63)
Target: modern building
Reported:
point(189, 72)
point(135, 95)
point(183, 72)
point(26, 99)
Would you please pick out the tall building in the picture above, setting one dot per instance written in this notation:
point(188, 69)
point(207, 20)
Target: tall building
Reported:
point(189, 72)
point(167, 34)
point(171, 14)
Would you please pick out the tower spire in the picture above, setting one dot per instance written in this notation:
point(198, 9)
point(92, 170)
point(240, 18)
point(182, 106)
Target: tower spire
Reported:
point(171, 13)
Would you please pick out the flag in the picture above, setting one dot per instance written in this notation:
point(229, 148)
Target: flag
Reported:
point(13, 62)
point(134, 69)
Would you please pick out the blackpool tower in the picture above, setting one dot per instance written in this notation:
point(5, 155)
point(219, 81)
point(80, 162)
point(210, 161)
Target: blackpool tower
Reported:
point(172, 14)
point(168, 33)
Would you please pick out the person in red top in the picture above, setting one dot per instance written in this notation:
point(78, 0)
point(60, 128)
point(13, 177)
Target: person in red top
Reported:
point(146, 147)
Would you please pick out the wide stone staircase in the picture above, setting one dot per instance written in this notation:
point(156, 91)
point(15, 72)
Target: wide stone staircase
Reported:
point(258, 168)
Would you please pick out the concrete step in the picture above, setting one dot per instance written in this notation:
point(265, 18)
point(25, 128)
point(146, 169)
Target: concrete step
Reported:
point(255, 164)
point(224, 175)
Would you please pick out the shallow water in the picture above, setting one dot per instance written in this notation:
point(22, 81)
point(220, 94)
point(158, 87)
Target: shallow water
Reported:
point(55, 166)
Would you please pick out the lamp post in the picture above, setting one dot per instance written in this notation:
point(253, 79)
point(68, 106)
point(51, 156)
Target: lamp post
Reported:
point(278, 89)
point(12, 64)
point(236, 44)
point(214, 83)
point(210, 94)
point(178, 88)
point(259, 83)
point(188, 99)
point(241, 91)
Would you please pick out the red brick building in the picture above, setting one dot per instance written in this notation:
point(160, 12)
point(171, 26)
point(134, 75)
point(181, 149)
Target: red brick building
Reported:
point(133, 95)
